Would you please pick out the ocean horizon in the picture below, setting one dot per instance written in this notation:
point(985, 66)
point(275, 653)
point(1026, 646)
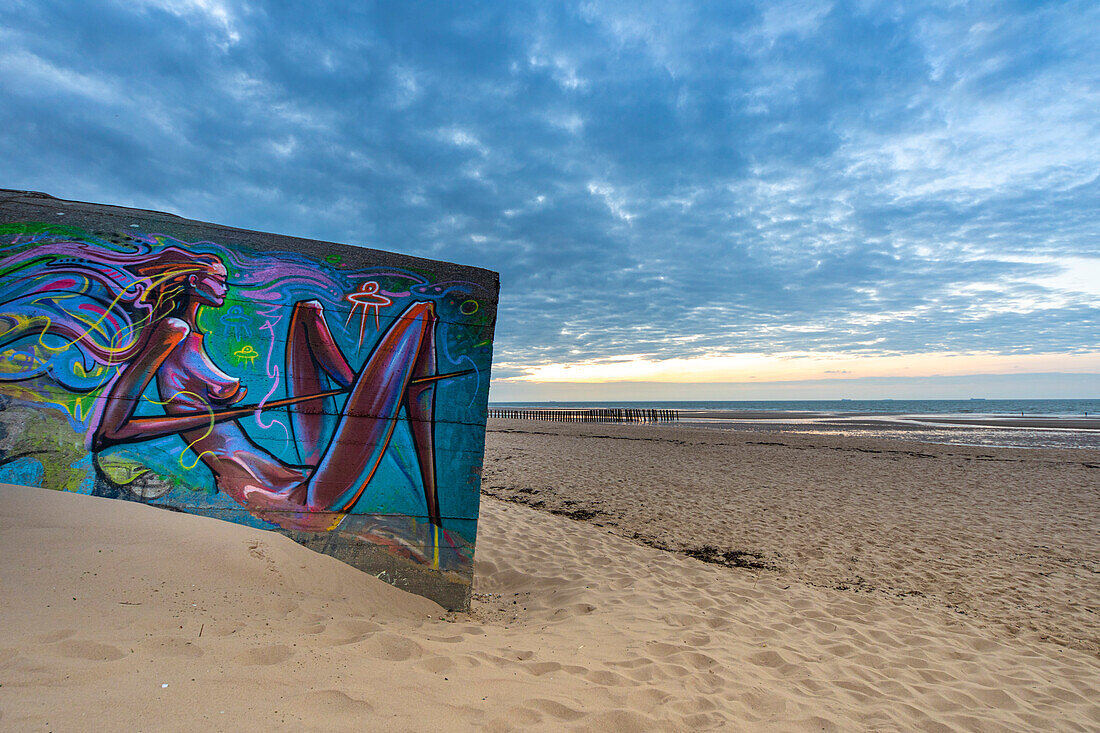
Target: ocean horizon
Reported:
point(969, 407)
point(1021, 423)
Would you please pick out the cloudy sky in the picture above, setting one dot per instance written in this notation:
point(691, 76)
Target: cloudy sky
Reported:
point(725, 200)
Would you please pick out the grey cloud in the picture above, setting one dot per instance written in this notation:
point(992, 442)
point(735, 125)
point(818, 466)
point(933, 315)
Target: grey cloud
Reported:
point(637, 175)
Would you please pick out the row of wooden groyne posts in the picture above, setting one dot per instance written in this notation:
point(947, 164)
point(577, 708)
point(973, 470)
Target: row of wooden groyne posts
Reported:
point(599, 414)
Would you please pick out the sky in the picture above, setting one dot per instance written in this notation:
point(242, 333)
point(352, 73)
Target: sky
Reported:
point(683, 200)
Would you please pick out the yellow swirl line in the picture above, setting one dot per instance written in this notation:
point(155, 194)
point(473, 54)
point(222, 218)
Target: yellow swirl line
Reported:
point(106, 312)
point(151, 284)
point(209, 428)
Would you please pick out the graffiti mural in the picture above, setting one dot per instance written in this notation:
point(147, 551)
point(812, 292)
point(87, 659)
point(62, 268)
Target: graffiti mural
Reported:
point(338, 400)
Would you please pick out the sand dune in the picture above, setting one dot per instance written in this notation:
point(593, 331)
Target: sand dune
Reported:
point(121, 616)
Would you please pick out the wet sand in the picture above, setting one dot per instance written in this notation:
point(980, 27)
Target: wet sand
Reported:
point(763, 418)
point(1034, 431)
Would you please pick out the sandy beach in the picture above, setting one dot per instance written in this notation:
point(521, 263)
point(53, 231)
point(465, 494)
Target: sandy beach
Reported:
point(890, 586)
point(1006, 535)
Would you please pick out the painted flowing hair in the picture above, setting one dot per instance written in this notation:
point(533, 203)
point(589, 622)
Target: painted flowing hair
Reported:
point(71, 309)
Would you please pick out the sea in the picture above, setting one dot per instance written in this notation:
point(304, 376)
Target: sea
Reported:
point(1039, 423)
point(1069, 408)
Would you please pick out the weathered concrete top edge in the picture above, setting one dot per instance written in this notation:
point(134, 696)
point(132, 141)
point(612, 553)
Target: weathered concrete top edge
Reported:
point(160, 222)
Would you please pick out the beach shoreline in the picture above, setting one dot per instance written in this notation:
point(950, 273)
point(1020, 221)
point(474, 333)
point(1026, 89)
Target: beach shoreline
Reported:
point(1020, 433)
point(928, 421)
point(764, 417)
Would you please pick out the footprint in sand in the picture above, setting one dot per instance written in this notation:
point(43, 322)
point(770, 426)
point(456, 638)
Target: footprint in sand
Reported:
point(699, 661)
point(331, 702)
point(554, 709)
point(661, 650)
point(628, 720)
point(390, 647)
point(258, 550)
point(605, 678)
point(90, 650)
point(437, 665)
point(171, 648)
point(353, 631)
point(266, 655)
point(538, 669)
point(577, 609)
point(312, 628)
point(771, 659)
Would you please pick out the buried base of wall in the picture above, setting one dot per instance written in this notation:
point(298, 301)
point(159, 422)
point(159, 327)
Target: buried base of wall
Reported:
point(407, 552)
point(447, 588)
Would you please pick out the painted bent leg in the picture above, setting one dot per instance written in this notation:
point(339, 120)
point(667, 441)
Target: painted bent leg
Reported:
point(405, 352)
point(312, 353)
point(420, 409)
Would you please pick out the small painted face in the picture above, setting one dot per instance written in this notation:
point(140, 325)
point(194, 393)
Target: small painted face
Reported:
point(209, 287)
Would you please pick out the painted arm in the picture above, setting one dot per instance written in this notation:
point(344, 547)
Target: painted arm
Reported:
point(116, 422)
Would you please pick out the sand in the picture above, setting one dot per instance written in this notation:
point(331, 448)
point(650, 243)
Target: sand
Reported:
point(1010, 536)
point(122, 616)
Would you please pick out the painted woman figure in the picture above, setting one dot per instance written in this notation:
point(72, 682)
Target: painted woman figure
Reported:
point(158, 295)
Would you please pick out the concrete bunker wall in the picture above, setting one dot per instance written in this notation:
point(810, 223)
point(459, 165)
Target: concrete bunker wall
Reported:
point(334, 394)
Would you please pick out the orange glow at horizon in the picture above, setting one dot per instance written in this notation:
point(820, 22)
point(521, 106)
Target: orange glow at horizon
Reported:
point(802, 366)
